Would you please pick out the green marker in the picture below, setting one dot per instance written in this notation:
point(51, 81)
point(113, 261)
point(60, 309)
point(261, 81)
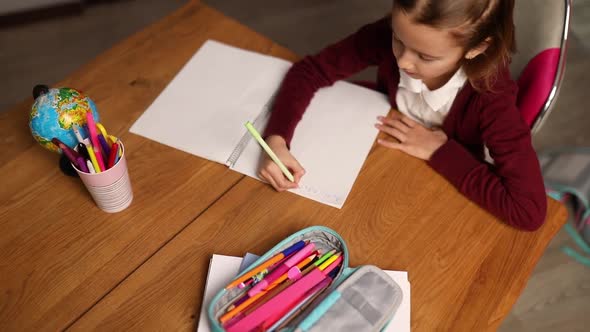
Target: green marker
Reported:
point(270, 153)
point(324, 257)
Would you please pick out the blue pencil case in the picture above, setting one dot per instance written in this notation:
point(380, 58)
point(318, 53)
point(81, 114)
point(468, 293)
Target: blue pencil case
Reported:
point(356, 299)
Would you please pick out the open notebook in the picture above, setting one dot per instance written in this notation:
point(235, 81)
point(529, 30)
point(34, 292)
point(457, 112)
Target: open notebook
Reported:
point(222, 269)
point(204, 108)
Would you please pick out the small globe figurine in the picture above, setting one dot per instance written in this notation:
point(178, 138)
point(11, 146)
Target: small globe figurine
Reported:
point(54, 113)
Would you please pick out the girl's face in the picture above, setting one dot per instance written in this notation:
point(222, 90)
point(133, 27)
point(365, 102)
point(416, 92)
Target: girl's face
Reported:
point(424, 52)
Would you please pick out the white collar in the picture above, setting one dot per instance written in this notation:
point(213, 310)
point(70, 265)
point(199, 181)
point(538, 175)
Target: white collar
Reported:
point(436, 99)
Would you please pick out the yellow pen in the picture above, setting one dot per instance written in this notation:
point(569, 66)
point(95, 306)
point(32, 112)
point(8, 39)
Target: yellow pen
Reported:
point(109, 138)
point(269, 151)
point(93, 158)
point(103, 131)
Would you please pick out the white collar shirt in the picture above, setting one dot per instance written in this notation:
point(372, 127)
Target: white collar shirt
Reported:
point(430, 108)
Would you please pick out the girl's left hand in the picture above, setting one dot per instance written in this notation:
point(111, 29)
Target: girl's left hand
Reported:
point(414, 139)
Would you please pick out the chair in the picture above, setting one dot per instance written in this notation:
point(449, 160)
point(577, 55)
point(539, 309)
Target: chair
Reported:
point(538, 66)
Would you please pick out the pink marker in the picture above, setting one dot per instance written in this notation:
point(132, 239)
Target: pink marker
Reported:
point(281, 269)
point(94, 140)
point(267, 313)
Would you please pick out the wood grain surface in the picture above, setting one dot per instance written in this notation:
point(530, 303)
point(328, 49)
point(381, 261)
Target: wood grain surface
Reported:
point(60, 254)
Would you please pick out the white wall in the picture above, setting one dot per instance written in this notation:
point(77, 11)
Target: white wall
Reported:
point(13, 6)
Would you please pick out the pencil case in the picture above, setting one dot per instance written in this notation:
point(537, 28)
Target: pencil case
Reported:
point(357, 299)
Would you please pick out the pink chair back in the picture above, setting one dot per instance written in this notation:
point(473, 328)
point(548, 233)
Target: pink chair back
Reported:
point(538, 66)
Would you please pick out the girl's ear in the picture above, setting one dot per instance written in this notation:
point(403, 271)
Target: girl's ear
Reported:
point(479, 49)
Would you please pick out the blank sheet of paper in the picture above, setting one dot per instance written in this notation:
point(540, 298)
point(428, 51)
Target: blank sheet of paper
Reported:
point(331, 142)
point(203, 109)
point(222, 270)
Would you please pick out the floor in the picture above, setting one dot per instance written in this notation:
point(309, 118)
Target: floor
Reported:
point(557, 296)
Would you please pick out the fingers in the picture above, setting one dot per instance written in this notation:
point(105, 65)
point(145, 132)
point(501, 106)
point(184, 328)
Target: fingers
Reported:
point(405, 119)
point(282, 182)
point(298, 172)
point(390, 144)
point(395, 123)
point(273, 174)
point(298, 176)
point(396, 133)
point(268, 178)
point(398, 126)
point(294, 167)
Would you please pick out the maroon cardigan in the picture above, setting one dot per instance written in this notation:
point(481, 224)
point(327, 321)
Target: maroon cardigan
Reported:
point(512, 189)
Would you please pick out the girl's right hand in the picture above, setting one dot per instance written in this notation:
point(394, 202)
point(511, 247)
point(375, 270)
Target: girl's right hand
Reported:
point(270, 172)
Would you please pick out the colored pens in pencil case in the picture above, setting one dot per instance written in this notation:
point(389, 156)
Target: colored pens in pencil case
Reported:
point(271, 311)
point(274, 259)
point(282, 269)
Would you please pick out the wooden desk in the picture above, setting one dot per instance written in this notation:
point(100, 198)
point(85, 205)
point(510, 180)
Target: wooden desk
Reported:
point(59, 254)
point(63, 263)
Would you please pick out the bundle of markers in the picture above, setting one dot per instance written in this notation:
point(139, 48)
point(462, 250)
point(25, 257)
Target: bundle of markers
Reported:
point(281, 287)
point(95, 153)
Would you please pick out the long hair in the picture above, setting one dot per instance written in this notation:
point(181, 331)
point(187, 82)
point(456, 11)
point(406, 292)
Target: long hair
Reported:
point(472, 22)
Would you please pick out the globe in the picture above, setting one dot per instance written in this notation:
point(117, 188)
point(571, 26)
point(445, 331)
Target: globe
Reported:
point(55, 112)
